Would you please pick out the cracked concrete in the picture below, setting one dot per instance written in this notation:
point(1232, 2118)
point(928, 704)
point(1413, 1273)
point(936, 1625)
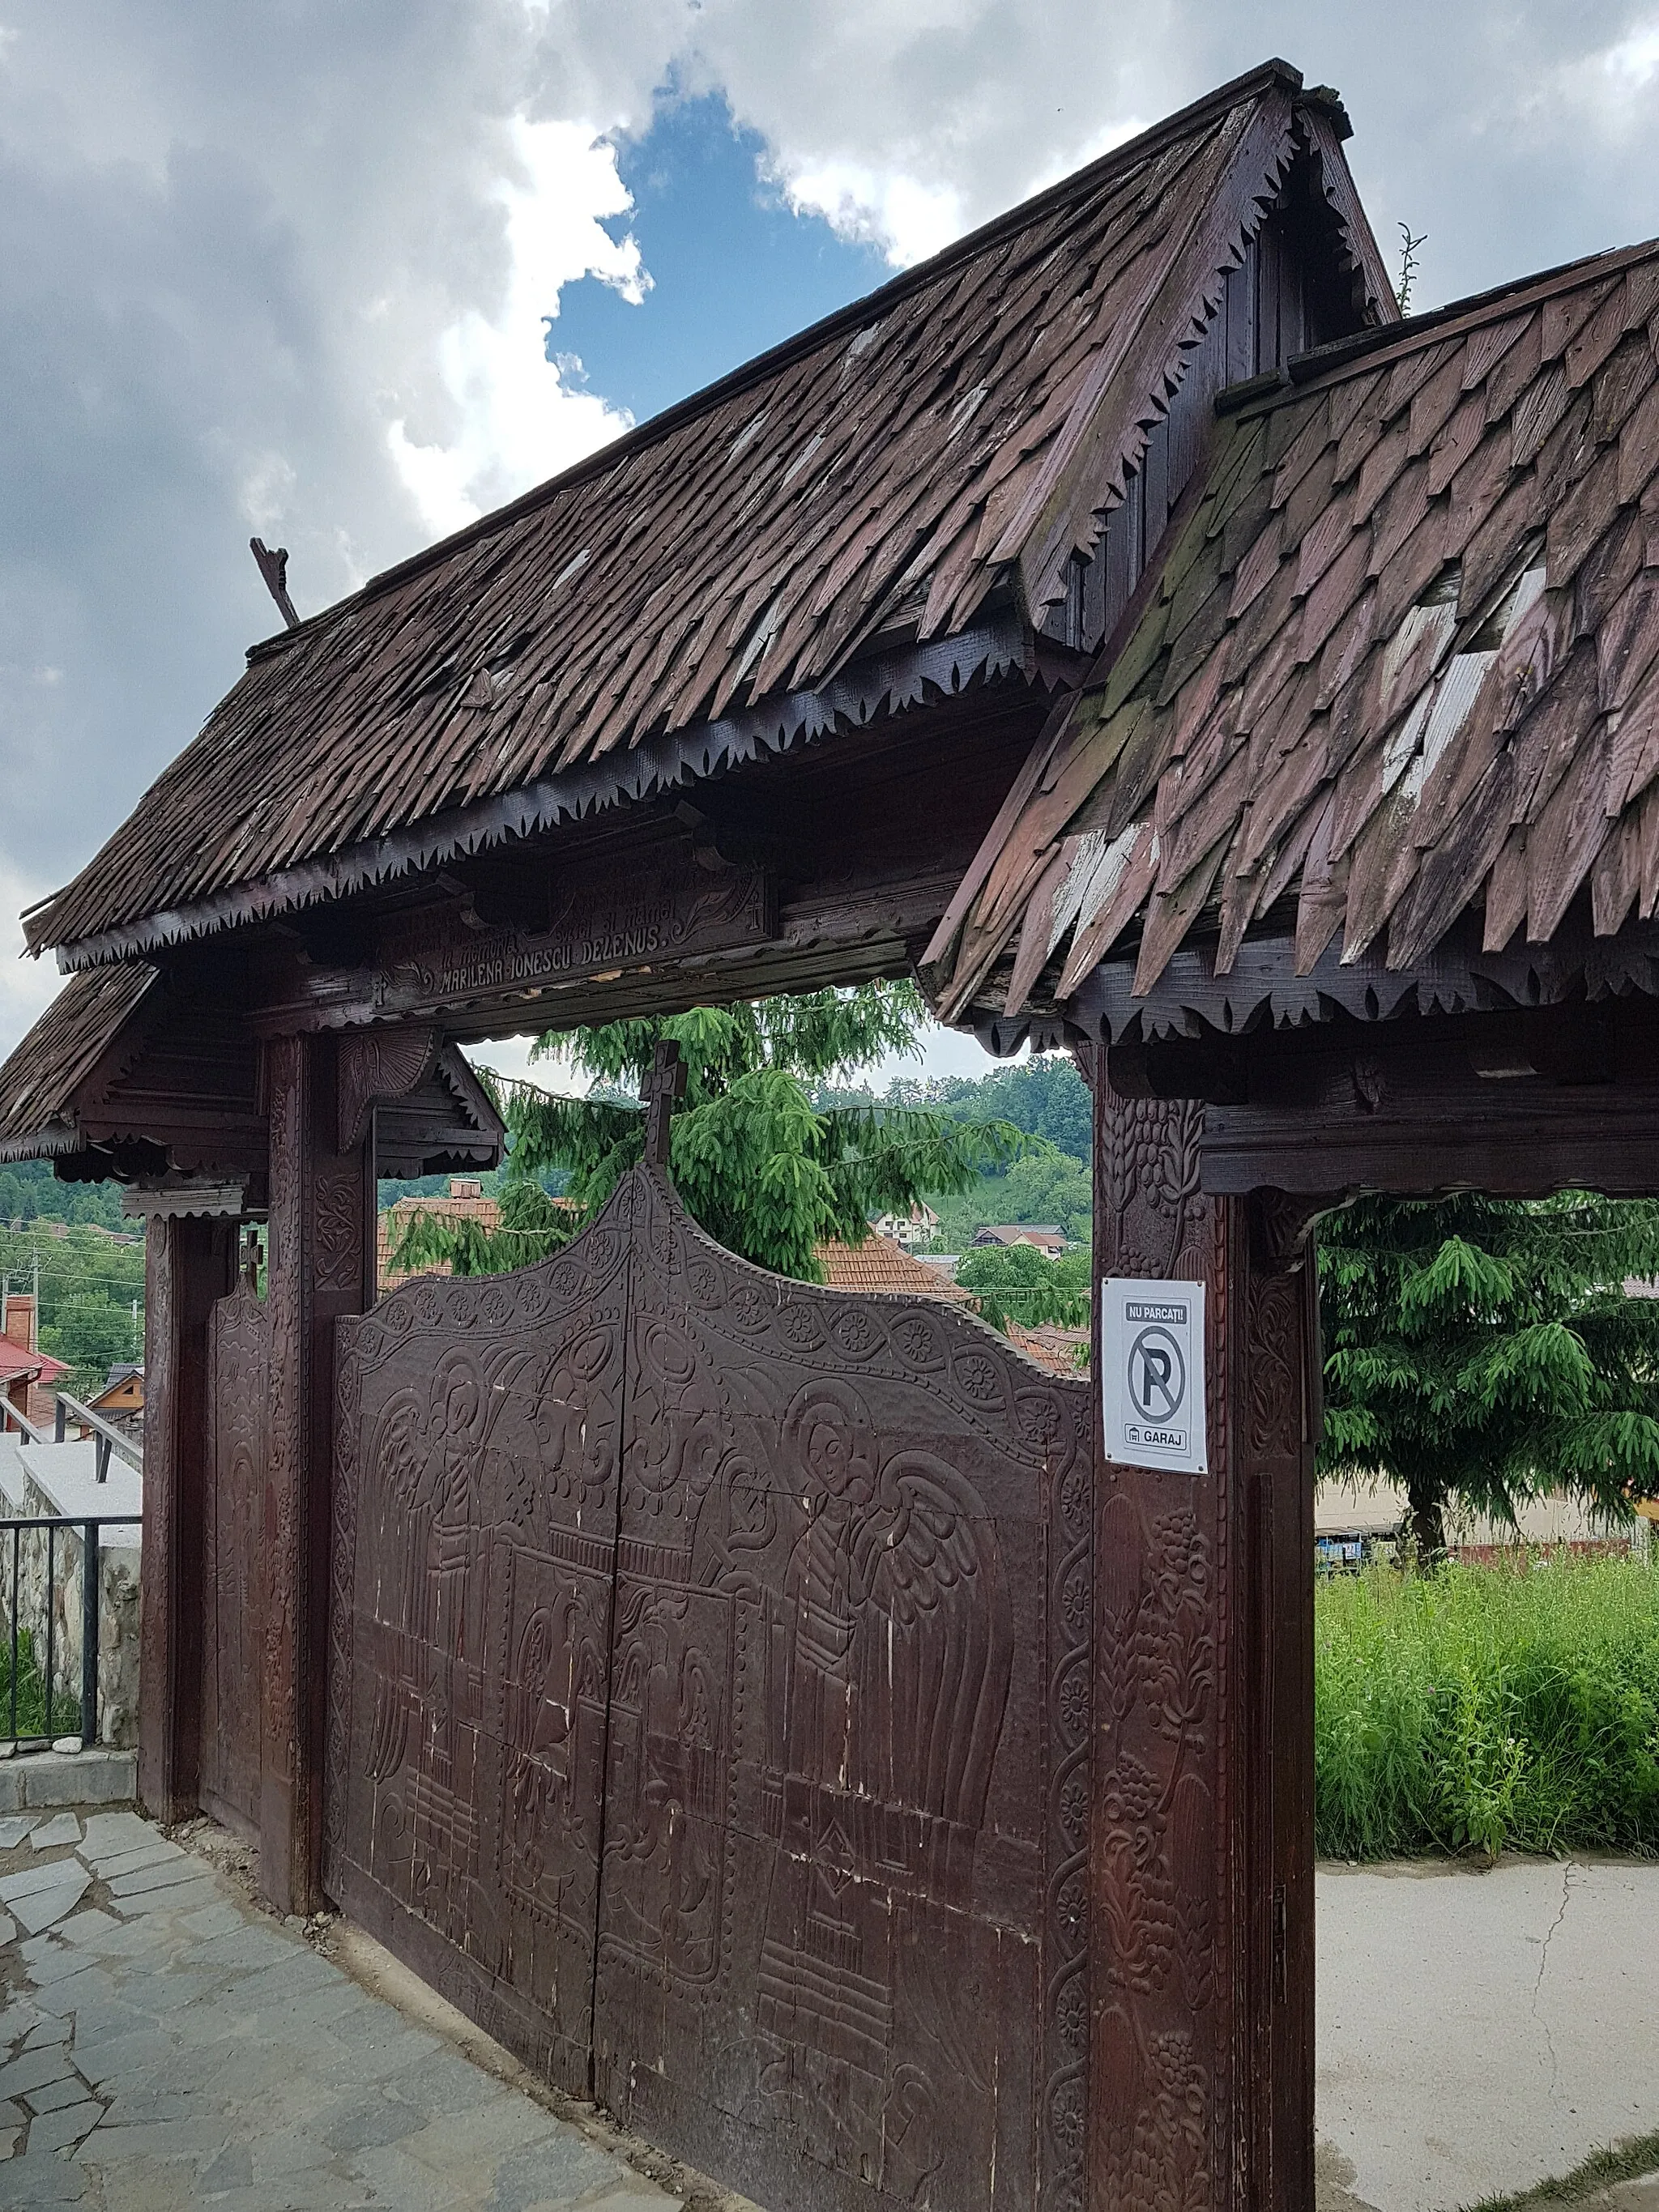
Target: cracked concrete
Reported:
point(1479, 2031)
point(1543, 1967)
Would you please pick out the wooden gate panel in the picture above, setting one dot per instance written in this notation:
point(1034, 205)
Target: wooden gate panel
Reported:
point(840, 1926)
point(233, 1577)
point(475, 1530)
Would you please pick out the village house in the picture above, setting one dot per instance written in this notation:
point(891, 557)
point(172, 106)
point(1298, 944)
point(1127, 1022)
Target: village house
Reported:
point(917, 1227)
point(1048, 1237)
point(121, 1401)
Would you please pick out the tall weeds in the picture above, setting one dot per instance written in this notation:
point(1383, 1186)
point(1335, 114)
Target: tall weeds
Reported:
point(1482, 1707)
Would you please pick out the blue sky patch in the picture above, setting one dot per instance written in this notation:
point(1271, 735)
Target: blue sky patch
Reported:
point(734, 270)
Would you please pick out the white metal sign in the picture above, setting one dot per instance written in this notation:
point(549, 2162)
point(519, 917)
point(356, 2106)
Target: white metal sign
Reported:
point(1152, 1354)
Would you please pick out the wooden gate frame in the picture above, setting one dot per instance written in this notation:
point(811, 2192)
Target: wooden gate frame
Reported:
point(1198, 2086)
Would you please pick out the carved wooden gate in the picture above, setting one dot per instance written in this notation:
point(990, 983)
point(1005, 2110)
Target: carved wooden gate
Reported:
point(709, 1707)
point(232, 1563)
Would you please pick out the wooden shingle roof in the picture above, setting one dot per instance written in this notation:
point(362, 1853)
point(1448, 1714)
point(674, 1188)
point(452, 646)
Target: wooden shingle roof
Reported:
point(39, 1081)
point(1401, 660)
point(886, 476)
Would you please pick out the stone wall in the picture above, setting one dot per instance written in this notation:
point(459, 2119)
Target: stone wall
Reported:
point(117, 1629)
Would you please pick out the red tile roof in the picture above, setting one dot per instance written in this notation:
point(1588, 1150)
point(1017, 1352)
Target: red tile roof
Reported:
point(463, 1201)
point(18, 1365)
point(1063, 1351)
point(879, 1264)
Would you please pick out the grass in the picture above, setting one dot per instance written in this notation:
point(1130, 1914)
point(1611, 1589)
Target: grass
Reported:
point(1482, 1708)
point(1620, 2161)
point(31, 1694)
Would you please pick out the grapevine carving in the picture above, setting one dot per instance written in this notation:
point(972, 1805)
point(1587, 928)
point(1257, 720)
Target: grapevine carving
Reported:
point(1159, 1851)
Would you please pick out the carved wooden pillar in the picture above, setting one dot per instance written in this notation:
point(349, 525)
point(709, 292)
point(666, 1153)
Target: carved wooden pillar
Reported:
point(320, 1267)
point(1201, 1838)
point(189, 1262)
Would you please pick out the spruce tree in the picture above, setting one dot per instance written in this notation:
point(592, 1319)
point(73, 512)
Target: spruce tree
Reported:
point(1482, 1351)
point(768, 1174)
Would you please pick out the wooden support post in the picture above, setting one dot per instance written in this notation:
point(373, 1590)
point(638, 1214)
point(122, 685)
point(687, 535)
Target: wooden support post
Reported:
point(1201, 1834)
point(320, 1264)
point(189, 1262)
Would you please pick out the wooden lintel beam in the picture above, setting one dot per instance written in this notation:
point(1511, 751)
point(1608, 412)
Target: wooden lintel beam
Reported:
point(1517, 1103)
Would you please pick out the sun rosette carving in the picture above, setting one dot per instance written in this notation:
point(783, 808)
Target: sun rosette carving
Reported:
point(1038, 1416)
point(799, 1327)
point(856, 1332)
point(919, 1342)
point(978, 1377)
point(748, 1308)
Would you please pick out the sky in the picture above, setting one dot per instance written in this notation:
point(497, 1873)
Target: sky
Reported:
point(345, 273)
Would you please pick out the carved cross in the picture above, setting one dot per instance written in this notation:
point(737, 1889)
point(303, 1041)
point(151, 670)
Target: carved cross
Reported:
point(660, 1093)
point(251, 1260)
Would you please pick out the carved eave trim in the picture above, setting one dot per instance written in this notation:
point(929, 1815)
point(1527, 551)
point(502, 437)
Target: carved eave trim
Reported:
point(1325, 124)
point(1264, 991)
point(455, 1070)
point(172, 1198)
point(50, 1142)
point(1001, 645)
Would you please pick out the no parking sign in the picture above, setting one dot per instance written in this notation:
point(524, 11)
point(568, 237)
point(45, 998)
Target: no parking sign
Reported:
point(1152, 1354)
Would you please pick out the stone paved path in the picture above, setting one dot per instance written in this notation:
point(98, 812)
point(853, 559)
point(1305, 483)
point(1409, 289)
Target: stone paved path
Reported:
point(163, 2047)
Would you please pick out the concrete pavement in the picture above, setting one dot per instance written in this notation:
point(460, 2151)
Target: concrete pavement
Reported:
point(1481, 2030)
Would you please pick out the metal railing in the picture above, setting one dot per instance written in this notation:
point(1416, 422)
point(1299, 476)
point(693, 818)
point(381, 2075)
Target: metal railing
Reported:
point(106, 1437)
point(10, 1413)
point(90, 1534)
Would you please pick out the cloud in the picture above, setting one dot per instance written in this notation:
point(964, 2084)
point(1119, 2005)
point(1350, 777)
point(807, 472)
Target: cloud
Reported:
point(26, 987)
point(516, 421)
point(1515, 137)
point(250, 260)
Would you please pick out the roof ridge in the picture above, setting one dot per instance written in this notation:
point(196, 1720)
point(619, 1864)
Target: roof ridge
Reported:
point(1075, 183)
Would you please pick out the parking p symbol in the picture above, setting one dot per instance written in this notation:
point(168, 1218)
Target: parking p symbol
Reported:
point(1157, 1375)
